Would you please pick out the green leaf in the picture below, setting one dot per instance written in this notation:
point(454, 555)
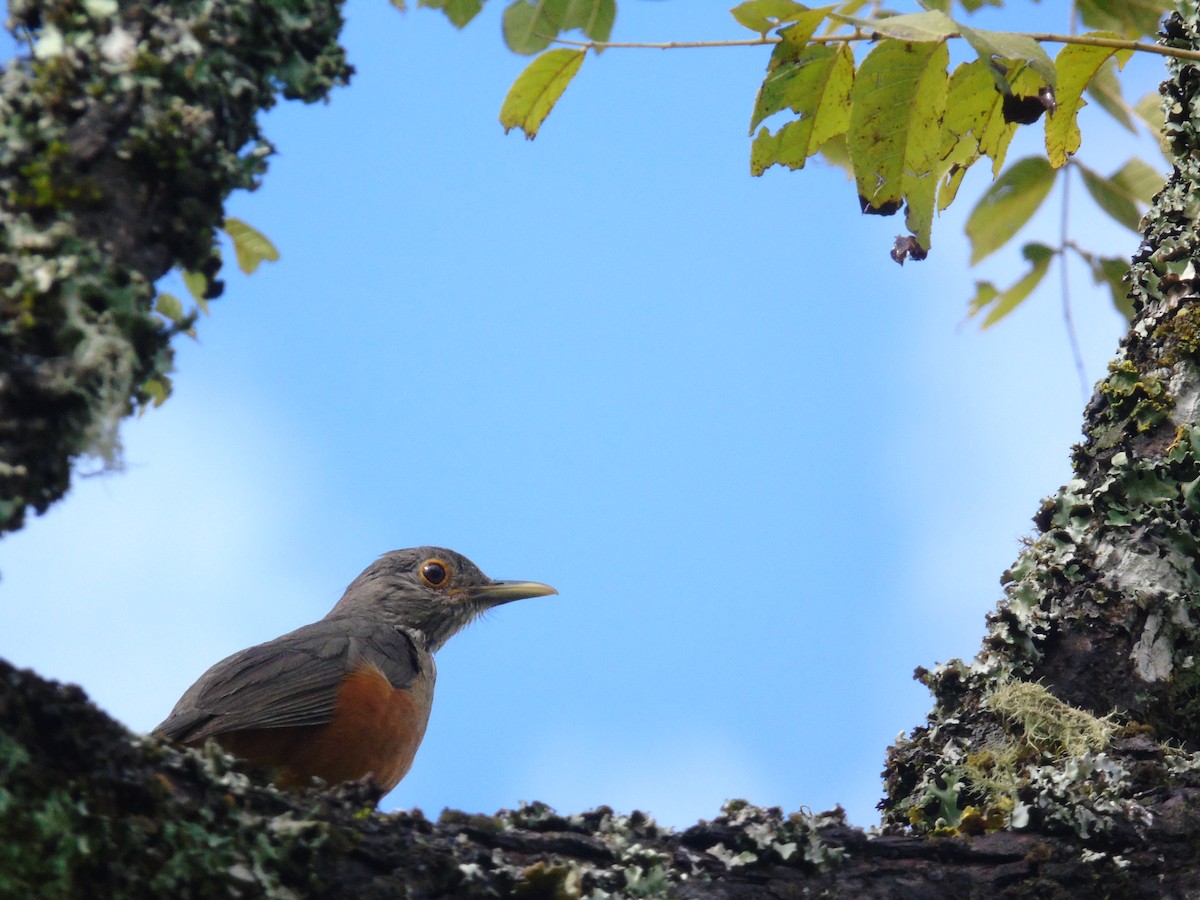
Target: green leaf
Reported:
point(926, 27)
point(1110, 198)
point(168, 306)
point(538, 88)
point(763, 15)
point(899, 98)
point(1105, 89)
point(529, 27)
point(459, 12)
point(1130, 18)
point(1139, 180)
point(1076, 64)
point(1125, 193)
point(594, 18)
point(157, 390)
point(1014, 49)
point(975, 125)
point(400, 5)
point(251, 246)
point(1000, 303)
point(817, 87)
point(1113, 271)
point(1008, 204)
point(971, 101)
point(797, 73)
point(197, 286)
point(836, 153)
point(794, 38)
point(994, 141)
point(1149, 110)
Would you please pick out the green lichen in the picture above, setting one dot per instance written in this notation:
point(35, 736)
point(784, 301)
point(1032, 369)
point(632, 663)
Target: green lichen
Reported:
point(1136, 401)
point(120, 138)
point(1179, 336)
point(1088, 668)
point(53, 844)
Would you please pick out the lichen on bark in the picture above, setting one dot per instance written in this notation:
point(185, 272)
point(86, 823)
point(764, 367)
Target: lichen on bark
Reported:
point(121, 134)
point(1100, 609)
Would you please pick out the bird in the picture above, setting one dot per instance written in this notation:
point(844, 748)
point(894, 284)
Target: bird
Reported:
point(346, 698)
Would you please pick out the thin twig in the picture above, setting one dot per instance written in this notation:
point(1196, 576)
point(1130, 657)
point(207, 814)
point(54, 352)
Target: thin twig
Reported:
point(1041, 37)
point(1064, 241)
point(672, 45)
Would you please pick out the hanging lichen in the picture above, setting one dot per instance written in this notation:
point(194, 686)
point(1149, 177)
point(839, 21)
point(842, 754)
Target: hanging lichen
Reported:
point(121, 134)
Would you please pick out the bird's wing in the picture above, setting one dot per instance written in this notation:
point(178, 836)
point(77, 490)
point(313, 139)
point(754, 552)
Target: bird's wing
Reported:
point(292, 680)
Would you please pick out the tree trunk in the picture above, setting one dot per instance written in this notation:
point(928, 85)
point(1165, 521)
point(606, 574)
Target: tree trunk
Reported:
point(119, 142)
point(1082, 710)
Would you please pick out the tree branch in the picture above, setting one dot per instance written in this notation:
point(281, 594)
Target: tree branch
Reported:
point(1040, 37)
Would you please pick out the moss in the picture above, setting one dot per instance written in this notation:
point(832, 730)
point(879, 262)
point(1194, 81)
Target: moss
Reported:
point(1099, 609)
point(1046, 723)
point(120, 139)
point(1179, 335)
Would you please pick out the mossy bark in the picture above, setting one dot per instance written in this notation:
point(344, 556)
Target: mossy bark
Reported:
point(89, 810)
point(1101, 614)
point(120, 138)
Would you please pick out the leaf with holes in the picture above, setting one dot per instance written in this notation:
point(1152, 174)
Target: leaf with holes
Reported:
point(971, 101)
point(1008, 204)
point(1076, 64)
point(895, 136)
point(817, 88)
point(538, 88)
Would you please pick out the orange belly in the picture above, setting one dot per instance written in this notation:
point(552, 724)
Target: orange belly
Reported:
point(375, 730)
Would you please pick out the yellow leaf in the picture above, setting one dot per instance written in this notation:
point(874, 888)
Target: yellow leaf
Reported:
point(538, 88)
point(895, 137)
point(1076, 64)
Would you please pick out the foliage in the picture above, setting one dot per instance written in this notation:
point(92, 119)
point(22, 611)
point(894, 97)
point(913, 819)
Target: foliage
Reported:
point(906, 123)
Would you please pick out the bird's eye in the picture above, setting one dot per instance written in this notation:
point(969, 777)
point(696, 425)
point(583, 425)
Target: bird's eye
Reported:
point(434, 572)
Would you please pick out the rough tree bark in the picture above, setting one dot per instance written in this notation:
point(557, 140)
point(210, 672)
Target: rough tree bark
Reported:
point(1065, 758)
point(119, 142)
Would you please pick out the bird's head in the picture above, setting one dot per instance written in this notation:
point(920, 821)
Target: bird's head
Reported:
point(430, 589)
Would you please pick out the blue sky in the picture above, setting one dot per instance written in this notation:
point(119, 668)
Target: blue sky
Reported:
point(768, 470)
